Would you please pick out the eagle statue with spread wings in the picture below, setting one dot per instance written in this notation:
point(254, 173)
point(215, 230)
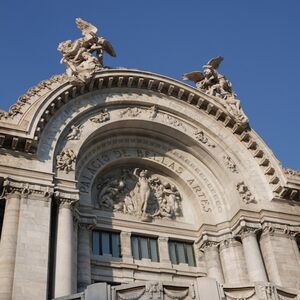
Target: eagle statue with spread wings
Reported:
point(215, 84)
point(78, 55)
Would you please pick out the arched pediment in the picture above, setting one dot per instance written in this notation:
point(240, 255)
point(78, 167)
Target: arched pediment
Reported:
point(46, 102)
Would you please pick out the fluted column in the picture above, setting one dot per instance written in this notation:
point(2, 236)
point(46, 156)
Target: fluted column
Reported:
point(212, 260)
point(64, 263)
point(84, 257)
point(233, 262)
point(8, 243)
point(255, 265)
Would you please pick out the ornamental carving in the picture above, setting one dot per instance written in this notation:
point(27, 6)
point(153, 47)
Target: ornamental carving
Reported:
point(84, 56)
point(215, 84)
point(245, 193)
point(201, 137)
point(39, 89)
point(131, 112)
point(153, 111)
point(138, 192)
point(230, 164)
point(291, 172)
point(65, 160)
point(102, 117)
point(74, 133)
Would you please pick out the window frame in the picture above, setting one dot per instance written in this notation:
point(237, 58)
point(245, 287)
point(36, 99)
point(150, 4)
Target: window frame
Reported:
point(186, 257)
point(110, 234)
point(148, 238)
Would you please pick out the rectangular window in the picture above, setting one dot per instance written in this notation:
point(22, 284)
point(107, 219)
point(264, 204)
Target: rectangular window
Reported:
point(144, 247)
point(181, 252)
point(106, 242)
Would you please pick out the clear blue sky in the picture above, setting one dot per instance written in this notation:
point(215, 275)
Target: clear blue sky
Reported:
point(260, 41)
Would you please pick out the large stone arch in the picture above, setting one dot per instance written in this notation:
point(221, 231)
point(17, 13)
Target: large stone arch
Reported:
point(229, 182)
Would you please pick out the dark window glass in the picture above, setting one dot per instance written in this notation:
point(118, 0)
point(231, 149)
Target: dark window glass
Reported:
point(105, 242)
point(144, 247)
point(181, 252)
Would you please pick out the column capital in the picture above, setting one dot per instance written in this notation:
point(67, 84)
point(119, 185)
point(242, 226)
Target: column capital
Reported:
point(67, 199)
point(230, 242)
point(206, 245)
point(282, 230)
point(247, 231)
point(24, 189)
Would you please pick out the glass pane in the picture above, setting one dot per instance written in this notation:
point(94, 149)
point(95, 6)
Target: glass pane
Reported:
point(135, 247)
point(153, 249)
point(115, 245)
point(172, 253)
point(105, 243)
point(144, 248)
point(190, 255)
point(180, 253)
point(96, 249)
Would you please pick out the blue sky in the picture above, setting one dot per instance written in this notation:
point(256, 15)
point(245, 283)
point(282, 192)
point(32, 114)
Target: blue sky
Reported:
point(259, 39)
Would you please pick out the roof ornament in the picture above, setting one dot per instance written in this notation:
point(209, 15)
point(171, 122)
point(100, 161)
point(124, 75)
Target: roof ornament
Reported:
point(84, 56)
point(215, 84)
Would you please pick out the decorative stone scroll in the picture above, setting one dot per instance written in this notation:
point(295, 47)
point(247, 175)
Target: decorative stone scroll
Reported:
point(65, 160)
point(78, 55)
point(140, 193)
point(131, 112)
point(215, 84)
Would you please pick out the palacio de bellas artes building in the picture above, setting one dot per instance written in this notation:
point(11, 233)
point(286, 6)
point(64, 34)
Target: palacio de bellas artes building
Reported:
point(121, 184)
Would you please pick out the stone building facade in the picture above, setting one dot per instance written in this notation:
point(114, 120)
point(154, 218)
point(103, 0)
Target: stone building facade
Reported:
point(125, 184)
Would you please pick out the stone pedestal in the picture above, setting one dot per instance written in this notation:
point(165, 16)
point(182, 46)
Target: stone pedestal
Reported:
point(212, 260)
point(233, 262)
point(84, 257)
point(64, 250)
point(255, 265)
point(8, 245)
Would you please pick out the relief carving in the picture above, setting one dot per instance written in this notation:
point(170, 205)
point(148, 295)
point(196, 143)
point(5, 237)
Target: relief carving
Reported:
point(137, 192)
point(65, 160)
point(245, 193)
point(174, 122)
point(102, 117)
point(78, 56)
point(153, 111)
point(215, 84)
point(131, 112)
point(74, 133)
point(201, 137)
point(230, 164)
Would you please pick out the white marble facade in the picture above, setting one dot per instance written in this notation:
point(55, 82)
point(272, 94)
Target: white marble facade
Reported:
point(139, 154)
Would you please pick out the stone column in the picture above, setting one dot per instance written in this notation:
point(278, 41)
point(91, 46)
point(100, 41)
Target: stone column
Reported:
point(163, 250)
point(233, 262)
point(280, 255)
point(255, 265)
point(8, 242)
point(212, 260)
point(125, 239)
point(84, 257)
point(64, 267)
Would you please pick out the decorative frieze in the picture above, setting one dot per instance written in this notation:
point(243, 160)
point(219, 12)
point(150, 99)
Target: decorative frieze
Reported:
point(131, 112)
